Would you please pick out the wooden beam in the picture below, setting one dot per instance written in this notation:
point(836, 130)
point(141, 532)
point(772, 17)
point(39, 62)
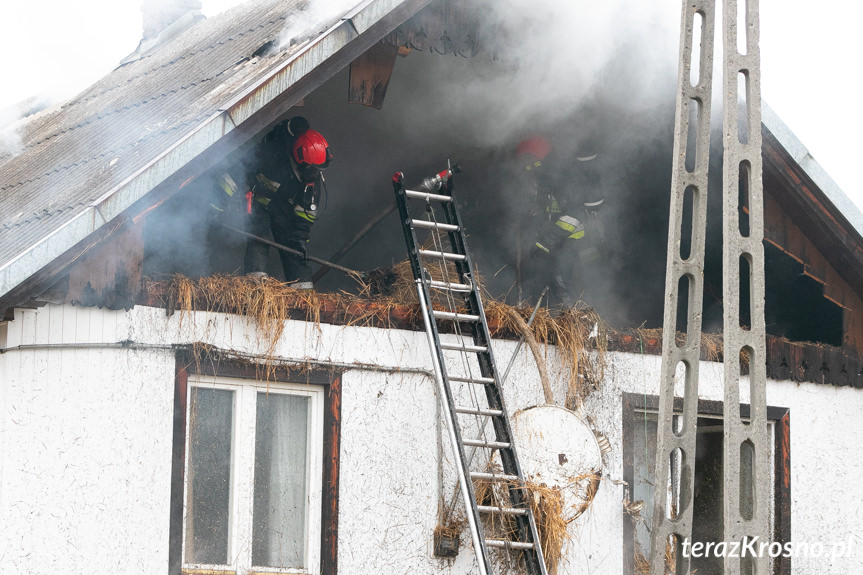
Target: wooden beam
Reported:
point(110, 275)
point(370, 75)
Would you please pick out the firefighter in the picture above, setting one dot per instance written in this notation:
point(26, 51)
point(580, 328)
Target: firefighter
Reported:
point(284, 184)
point(562, 208)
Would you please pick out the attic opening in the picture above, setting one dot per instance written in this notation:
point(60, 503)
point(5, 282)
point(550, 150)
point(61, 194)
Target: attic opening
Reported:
point(421, 110)
point(796, 307)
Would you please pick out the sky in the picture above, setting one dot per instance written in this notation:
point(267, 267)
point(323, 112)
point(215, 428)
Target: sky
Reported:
point(809, 52)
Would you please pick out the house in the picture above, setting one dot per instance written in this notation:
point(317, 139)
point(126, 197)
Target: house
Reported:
point(135, 440)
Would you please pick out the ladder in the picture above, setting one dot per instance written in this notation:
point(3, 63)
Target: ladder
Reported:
point(469, 386)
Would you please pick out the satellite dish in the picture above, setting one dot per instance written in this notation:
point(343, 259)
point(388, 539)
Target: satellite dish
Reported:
point(557, 448)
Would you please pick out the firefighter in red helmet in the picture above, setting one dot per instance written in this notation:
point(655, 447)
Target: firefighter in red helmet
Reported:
point(285, 188)
point(562, 203)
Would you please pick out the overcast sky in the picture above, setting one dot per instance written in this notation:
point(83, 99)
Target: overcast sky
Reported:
point(810, 63)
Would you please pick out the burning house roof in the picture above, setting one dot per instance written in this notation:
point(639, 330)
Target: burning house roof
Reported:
point(86, 170)
point(78, 167)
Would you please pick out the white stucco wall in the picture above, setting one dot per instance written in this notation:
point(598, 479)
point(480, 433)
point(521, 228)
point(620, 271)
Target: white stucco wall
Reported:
point(85, 438)
point(86, 448)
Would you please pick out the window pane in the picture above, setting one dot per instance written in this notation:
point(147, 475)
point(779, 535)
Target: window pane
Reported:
point(209, 481)
point(281, 508)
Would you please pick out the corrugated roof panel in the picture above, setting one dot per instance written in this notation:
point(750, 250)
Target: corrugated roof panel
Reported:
point(73, 155)
point(84, 163)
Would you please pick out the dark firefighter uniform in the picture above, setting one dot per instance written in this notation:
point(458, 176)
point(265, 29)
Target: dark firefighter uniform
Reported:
point(284, 186)
point(563, 213)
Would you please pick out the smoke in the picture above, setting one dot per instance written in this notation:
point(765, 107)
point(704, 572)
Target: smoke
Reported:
point(548, 56)
point(10, 141)
point(312, 18)
point(12, 119)
point(580, 73)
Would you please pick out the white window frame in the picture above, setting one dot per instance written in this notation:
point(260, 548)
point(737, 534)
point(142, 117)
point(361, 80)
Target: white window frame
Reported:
point(241, 499)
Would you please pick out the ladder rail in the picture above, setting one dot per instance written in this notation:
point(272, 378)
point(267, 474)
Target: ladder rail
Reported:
point(502, 428)
point(476, 328)
point(445, 398)
point(447, 406)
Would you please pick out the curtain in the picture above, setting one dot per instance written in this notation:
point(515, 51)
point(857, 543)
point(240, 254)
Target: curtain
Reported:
point(281, 490)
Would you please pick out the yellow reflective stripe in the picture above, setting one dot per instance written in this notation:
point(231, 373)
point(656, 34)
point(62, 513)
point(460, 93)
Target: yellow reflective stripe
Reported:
point(535, 164)
point(576, 235)
point(263, 199)
point(271, 185)
point(229, 186)
point(542, 247)
point(300, 212)
point(217, 208)
point(565, 226)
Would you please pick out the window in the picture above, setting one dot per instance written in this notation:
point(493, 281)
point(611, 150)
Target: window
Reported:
point(253, 476)
point(639, 447)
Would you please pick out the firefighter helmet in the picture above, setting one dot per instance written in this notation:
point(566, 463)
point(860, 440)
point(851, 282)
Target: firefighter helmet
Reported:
point(536, 147)
point(311, 148)
point(532, 151)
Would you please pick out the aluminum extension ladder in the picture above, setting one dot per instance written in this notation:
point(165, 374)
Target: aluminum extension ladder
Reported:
point(449, 299)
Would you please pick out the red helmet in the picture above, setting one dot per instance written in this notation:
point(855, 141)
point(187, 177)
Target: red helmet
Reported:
point(536, 147)
point(310, 147)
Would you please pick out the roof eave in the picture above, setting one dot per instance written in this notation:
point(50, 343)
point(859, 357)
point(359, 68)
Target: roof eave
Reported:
point(803, 158)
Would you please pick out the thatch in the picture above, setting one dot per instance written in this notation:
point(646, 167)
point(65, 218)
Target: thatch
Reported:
point(549, 507)
point(642, 564)
point(269, 303)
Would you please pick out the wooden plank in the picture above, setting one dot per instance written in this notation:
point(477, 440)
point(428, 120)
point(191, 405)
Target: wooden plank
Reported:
point(178, 467)
point(444, 27)
point(776, 366)
point(370, 75)
point(852, 336)
point(782, 490)
point(110, 275)
point(835, 287)
point(330, 499)
point(820, 220)
point(774, 220)
point(795, 243)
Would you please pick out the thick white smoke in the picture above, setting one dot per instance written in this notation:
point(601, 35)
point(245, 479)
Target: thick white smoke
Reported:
point(548, 57)
point(309, 20)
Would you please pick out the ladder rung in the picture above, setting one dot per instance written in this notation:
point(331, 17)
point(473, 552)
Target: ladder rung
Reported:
point(451, 286)
point(443, 255)
point(426, 196)
point(455, 316)
point(494, 476)
point(507, 544)
point(501, 510)
point(464, 347)
point(473, 379)
point(434, 225)
point(477, 411)
point(488, 444)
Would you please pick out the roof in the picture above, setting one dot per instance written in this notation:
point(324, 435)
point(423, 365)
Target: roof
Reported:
point(80, 165)
point(139, 131)
point(811, 168)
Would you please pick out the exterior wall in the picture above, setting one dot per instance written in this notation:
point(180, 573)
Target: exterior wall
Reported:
point(86, 443)
point(86, 448)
